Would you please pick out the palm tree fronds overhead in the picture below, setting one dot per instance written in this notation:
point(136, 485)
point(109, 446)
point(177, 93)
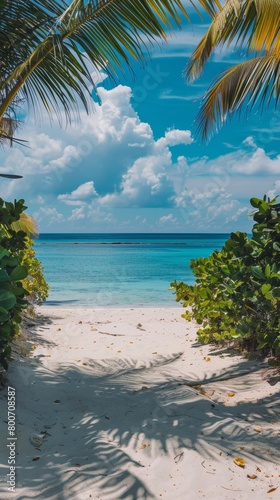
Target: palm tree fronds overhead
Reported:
point(255, 25)
point(49, 49)
point(45, 46)
point(259, 20)
point(211, 6)
point(254, 80)
point(217, 33)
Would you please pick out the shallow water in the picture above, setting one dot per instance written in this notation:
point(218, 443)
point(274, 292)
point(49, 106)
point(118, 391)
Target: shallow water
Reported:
point(96, 270)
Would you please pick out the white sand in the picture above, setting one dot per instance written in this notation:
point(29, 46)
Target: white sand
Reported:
point(105, 409)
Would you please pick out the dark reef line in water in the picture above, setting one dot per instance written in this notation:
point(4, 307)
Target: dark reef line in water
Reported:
point(131, 243)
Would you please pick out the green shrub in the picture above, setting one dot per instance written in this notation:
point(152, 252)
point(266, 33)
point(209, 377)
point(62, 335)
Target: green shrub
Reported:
point(35, 282)
point(22, 282)
point(12, 294)
point(236, 296)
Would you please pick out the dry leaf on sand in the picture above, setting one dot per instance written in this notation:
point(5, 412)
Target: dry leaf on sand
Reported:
point(143, 446)
point(239, 461)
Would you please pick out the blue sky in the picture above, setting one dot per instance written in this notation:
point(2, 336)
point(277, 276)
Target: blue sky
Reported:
point(137, 165)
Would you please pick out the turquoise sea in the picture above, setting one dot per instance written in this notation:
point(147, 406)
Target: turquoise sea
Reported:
point(118, 270)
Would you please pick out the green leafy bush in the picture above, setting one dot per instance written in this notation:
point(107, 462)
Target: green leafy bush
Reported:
point(35, 282)
point(236, 296)
point(12, 293)
point(22, 283)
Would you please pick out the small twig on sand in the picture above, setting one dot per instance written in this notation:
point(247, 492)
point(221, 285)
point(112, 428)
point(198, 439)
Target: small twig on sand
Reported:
point(229, 489)
point(112, 334)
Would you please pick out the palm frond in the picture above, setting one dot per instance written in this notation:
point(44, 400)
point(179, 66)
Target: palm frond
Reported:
point(257, 79)
point(211, 6)
point(42, 44)
point(217, 33)
point(259, 23)
point(251, 23)
point(27, 224)
point(8, 126)
point(53, 72)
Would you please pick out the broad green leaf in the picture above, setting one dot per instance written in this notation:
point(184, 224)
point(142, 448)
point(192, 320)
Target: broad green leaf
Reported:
point(276, 246)
point(4, 316)
point(257, 272)
point(19, 273)
point(265, 288)
point(255, 202)
point(3, 253)
point(205, 293)
point(7, 299)
point(4, 275)
point(267, 271)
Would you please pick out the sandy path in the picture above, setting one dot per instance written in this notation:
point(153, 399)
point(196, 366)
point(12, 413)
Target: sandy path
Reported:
point(125, 404)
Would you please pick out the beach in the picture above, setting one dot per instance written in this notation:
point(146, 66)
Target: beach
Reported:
point(125, 192)
point(125, 403)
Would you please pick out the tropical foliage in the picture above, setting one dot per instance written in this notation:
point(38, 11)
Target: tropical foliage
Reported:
point(255, 26)
point(25, 223)
point(22, 282)
point(49, 49)
point(12, 272)
point(236, 296)
point(35, 282)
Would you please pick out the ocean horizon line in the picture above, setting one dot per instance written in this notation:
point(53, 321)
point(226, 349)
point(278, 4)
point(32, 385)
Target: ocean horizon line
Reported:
point(120, 269)
point(146, 233)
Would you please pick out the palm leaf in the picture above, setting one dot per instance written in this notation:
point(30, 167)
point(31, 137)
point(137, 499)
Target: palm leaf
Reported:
point(258, 24)
point(7, 128)
point(55, 73)
point(257, 79)
point(43, 41)
point(27, 224)
point(217, 33)
point(253, 23)
point(211, 6)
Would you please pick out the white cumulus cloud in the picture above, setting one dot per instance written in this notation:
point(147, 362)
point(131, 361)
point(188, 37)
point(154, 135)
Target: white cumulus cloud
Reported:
point(111, 161)
point(167, 218)
point(78, 196)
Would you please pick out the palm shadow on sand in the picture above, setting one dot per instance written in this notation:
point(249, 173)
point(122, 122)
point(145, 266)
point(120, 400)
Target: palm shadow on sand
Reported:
point(103, 421)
